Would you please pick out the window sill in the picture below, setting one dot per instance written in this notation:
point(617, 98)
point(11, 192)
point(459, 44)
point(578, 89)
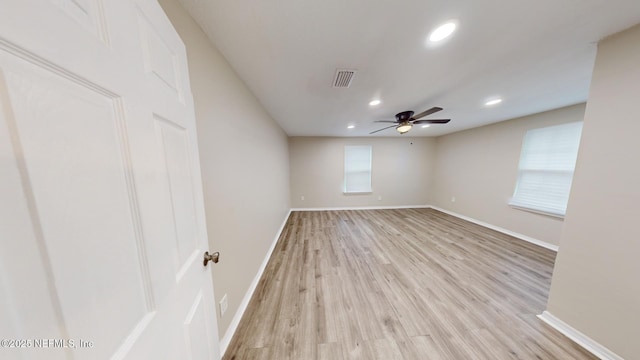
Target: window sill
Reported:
point(357, 193)
point(537, 211)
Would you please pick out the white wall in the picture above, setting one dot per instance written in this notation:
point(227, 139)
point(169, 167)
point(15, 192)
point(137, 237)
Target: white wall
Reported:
point(479, 167)
point(596, 280)
point(244, 160)
point(402, 171)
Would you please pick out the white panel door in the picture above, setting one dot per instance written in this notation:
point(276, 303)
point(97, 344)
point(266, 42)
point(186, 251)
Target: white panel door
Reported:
point(102, 230)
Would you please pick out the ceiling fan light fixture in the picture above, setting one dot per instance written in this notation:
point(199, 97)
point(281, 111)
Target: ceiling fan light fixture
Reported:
point(404, 127)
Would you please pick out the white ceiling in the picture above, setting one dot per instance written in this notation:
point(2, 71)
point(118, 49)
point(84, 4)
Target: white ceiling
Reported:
point(537, 55)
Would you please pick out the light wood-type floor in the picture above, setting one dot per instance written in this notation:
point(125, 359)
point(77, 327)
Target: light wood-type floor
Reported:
point(400, 284)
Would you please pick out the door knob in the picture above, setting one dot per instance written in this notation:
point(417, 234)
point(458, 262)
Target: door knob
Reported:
point(215, 257)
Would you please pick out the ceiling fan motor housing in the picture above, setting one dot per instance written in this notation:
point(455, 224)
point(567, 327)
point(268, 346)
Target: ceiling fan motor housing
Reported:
point(404, 116)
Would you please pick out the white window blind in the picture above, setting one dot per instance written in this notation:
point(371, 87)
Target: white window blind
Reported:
point(546, 167)
point(357, 169)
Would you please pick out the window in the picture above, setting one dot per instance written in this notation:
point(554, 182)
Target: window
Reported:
point(357, 169)
point(546, 167)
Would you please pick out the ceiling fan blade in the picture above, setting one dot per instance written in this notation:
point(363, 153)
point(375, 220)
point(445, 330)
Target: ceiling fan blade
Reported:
point(434, 109)
point(386, 121)
point(432, 121)
point(388, 127)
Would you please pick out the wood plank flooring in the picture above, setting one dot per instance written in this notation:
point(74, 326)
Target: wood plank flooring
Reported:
point(399, 284)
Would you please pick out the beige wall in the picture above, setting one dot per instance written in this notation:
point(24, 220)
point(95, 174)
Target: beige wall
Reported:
point(596, 281)
point(245, 166)
point(479, 168)
point(402, 171)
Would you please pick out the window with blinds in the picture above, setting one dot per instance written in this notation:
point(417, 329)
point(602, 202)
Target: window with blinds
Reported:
point(546, 167)
point(357, 169)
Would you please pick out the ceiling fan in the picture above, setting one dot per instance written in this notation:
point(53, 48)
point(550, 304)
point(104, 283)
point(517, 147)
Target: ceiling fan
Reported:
point(405, 120)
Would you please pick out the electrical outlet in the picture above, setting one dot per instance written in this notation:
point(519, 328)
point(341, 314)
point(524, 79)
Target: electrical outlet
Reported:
point(302, 197)
point(453, 199)
point(380, 198)
point(223, 305)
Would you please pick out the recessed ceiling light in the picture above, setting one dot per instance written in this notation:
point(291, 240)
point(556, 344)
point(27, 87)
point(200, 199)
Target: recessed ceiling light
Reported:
point(493, 102)
point(351, 126)
point(425, 126)
point(374, 102)
point(443, 31)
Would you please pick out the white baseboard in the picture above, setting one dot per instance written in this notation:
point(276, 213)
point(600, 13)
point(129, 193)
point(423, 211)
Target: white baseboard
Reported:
point(579, 338)
point(228, 335)
point(499, 229)
point(364, 208)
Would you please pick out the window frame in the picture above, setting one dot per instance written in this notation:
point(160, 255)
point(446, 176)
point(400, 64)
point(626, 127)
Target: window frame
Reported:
point(367, 189)
point(544, 205)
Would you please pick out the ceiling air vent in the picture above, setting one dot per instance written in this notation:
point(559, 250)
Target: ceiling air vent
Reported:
point(343, 78)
